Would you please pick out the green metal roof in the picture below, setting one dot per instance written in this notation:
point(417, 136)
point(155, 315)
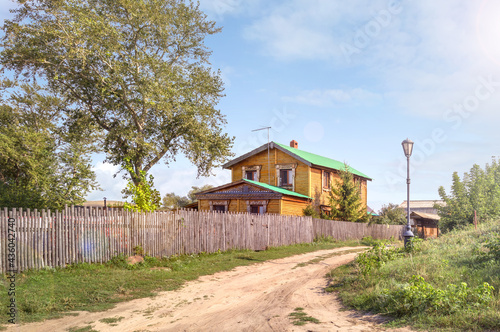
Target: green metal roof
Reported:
point(277, 189)
point(320, 161)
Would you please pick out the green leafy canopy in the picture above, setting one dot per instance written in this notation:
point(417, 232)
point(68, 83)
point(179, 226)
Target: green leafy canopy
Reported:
point(137, 72)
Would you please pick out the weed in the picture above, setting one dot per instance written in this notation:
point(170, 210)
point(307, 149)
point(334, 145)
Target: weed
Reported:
point(111, 320)
point(87, 328)
point(299, 317)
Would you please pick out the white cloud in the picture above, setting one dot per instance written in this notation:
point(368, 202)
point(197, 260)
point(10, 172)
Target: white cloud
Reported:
point(218, 9)
point(111, 186)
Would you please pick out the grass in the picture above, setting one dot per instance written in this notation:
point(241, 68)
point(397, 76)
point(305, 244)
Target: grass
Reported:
point(87, 328)
point(111, 320)
point(52, 293)
point(299, 317)
point(440, 286)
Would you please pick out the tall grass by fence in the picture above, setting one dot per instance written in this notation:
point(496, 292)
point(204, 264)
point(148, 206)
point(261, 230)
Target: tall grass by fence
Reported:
point(75, 235)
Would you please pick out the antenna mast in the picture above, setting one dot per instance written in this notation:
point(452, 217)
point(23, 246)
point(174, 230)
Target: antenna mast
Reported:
point(268, 160)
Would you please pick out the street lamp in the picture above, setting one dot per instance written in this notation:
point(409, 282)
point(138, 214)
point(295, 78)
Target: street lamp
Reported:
point(408, 234)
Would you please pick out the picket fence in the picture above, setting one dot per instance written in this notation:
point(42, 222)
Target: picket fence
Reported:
point(37, 239)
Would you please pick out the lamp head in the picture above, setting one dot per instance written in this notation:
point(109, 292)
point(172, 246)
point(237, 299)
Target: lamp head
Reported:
point(407, 147)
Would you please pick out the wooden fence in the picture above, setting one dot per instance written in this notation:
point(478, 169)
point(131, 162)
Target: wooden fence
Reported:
point(36, 239)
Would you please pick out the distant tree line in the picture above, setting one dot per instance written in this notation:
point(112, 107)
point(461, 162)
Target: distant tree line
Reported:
point(172, 201)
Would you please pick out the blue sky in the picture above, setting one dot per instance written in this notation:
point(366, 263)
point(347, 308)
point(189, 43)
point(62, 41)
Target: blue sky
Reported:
point(351, 80)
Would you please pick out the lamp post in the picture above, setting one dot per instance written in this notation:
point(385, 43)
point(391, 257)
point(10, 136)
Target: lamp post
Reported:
point(408, 234)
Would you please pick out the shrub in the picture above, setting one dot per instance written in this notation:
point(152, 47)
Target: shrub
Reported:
point(418, 296)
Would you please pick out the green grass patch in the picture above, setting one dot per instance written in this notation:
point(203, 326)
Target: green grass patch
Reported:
point(299, 317)
point(449, 284)
point(87, 328)
point(52, 293)
point(111, 320)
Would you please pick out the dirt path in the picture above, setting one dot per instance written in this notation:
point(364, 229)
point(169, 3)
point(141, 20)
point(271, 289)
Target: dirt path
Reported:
point(249, 298)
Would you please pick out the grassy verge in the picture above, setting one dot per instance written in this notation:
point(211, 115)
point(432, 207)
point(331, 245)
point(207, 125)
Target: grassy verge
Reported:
point(51, 293)
point(447, 284)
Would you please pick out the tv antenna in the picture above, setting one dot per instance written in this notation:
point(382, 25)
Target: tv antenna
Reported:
point(268, 160)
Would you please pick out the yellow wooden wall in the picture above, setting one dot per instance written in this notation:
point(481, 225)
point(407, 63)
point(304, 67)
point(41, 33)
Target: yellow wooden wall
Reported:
point(292, 207)
point(320, 196)
point(276, 157)
point(274, 206)
point(240, 205)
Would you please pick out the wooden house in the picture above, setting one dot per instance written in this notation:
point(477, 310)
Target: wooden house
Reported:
point(426, 224)
point(277, 178)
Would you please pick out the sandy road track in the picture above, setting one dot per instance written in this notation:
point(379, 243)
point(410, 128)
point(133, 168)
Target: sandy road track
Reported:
point(249, 298)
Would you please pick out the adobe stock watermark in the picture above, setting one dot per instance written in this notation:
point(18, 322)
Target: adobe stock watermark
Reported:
point(455, 116)
point(365, 35)
point(11, 270)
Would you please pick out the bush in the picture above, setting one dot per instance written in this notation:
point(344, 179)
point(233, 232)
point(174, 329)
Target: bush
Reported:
point(418, 296)
point(377, 257)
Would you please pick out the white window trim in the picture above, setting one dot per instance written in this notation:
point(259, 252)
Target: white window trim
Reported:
point(263, 203)
point(217, 202)
point(251, 168)
point(286, 166)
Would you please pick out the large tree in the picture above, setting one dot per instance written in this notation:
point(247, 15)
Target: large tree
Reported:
point(345, 199)
point(41, 165)
point(137, 71)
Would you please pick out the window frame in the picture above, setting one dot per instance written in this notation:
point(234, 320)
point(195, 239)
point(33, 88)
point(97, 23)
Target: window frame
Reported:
point(254, 174)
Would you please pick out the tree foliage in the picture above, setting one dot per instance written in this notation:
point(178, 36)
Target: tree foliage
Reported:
point(390, 214)
point(41, 165)
point(345, 199)
point(144, 197)
point(478, 190)
point(137, 72)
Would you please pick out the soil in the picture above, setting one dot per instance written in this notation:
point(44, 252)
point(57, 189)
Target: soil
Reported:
point(259, 297)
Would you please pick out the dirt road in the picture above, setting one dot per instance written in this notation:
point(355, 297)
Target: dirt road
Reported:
point(249, 298)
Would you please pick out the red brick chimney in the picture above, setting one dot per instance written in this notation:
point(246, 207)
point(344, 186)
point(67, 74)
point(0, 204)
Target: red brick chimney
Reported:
point(294, 144)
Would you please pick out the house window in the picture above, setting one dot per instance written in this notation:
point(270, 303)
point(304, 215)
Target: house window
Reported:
point(251, 172)
point(219, 205)
point(326, 180)
point(286, 177)
point(257, 209)
point(251, 175)
point(219, 208)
